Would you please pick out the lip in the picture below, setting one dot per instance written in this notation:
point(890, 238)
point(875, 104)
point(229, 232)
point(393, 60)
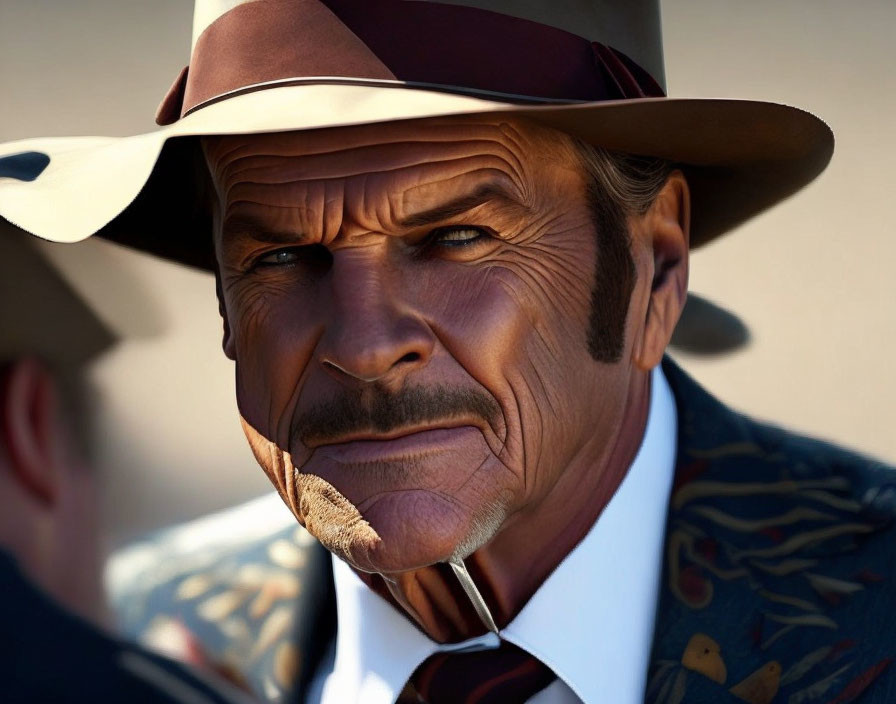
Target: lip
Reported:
point(401, 444)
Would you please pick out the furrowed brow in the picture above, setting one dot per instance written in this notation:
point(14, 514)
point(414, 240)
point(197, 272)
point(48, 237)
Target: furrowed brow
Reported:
point(237, 226)
point(488, 193)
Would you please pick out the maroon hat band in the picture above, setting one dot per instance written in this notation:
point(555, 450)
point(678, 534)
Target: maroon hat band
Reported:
point(430, 45)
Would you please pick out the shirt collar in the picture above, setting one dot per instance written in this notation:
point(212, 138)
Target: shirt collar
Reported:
point(602, 594)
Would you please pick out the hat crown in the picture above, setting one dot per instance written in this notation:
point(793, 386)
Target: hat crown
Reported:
point(632, 26)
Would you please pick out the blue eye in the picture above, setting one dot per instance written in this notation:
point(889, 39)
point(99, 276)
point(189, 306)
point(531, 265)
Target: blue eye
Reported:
point(281, 257)
point(459, 236)
point(311, 259)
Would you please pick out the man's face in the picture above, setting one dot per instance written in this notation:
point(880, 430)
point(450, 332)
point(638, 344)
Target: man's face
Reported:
point(408, 306)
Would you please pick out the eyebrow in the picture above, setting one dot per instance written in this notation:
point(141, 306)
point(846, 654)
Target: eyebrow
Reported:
point(487, 193)
point(236, 225)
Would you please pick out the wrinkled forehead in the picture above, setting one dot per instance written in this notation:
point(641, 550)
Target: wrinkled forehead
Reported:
point(394, 155)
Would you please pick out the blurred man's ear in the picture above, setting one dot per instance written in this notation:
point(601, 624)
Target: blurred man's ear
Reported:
point(29, 428)
point(48, 516)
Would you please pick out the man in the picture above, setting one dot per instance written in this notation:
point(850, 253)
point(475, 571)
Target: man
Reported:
point(447, 326)
point(55, 644)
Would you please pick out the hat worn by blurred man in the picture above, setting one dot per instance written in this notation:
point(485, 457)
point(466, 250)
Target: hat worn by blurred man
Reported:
point(451, 245)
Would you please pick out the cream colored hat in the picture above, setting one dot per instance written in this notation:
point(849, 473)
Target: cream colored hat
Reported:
point(592, 69)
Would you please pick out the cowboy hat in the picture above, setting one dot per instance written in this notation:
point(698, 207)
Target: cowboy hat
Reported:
point(278, 65)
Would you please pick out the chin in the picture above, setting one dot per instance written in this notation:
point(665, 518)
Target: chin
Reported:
point(397, 531)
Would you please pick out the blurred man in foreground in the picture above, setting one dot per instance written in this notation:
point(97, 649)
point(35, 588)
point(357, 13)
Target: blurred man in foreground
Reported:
point(55, 645)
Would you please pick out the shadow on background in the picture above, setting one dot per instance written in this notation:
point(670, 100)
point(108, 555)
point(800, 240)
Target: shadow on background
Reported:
point(707, 329)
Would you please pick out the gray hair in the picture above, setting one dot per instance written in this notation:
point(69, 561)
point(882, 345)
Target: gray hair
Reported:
point(632, 181)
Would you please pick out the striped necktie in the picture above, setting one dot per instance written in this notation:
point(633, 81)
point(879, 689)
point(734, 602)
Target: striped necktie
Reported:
point(504, 675)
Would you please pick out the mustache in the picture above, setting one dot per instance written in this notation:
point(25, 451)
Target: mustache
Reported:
point(384, 412)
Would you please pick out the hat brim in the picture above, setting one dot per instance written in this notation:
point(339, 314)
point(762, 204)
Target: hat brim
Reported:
point(741, 157)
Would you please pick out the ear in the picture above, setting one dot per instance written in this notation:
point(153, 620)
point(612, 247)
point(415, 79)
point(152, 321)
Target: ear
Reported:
point(668, 229)
point(227, 343)
point(29, 428)
point(212, 203)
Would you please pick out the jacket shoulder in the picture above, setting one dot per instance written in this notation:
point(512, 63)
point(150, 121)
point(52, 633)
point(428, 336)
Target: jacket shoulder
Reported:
point(779, 565)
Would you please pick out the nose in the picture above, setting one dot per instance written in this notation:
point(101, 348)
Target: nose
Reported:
point(373, 334)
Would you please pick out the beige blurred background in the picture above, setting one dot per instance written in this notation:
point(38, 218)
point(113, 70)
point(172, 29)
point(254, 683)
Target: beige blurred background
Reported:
point(811, 278)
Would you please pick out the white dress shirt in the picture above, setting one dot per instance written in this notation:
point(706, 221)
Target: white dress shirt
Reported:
point(591, 621)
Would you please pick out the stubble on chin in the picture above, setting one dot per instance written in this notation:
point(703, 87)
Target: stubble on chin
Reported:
point(486, 524)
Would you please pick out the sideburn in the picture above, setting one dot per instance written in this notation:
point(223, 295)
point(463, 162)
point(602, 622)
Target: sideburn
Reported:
point(614, 277)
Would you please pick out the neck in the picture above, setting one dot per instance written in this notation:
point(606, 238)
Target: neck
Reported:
point(511, 567)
